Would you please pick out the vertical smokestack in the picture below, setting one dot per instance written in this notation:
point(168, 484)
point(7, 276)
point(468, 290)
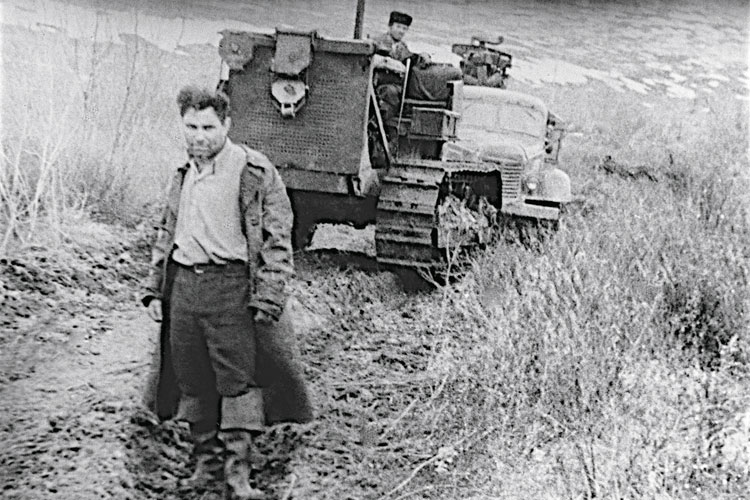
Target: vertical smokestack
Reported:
point(360, 19)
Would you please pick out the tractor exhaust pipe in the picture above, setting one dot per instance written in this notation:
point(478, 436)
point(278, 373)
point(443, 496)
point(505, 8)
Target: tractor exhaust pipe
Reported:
point(359, 20)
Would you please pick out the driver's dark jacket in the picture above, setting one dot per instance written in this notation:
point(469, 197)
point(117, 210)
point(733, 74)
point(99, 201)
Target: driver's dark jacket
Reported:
point(396, 49)
point(267, 224)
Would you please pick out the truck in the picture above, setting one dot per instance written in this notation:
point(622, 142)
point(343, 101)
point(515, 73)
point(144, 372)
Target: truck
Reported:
point(517, 131)
point(433, 178)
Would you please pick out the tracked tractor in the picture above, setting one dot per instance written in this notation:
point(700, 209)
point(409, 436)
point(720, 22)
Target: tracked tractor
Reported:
point(310, 103)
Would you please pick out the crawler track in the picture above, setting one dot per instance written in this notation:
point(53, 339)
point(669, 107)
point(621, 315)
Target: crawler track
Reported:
point(408, 225)
point(406, 215)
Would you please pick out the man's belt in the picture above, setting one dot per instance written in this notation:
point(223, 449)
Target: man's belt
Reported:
point(211, 267)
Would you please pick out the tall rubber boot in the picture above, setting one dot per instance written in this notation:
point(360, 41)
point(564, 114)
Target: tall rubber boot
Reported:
point(238, 447)
point(208, 451)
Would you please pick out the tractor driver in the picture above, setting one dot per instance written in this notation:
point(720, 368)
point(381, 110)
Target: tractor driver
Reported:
point(392, 41)
point(388, 82)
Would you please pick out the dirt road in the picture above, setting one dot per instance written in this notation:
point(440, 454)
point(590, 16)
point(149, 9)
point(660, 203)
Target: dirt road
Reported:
point(74, 426)
point(65, 427)
point(75, 350)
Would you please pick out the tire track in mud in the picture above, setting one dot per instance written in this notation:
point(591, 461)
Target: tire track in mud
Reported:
point(76, 428)
point(67, 429)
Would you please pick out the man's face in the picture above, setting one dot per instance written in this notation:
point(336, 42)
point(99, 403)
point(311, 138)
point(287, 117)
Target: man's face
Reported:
point(204, 132)
point(397, 31)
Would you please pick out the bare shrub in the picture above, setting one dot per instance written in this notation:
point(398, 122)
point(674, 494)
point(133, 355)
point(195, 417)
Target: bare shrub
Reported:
point(87, 125)
point(40, 124)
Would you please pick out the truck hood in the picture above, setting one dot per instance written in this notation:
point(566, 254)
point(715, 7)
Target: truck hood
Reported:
point(481, 145)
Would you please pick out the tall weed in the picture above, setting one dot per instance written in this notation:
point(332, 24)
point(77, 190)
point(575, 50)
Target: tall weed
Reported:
point(88, 125)
point(616, 352)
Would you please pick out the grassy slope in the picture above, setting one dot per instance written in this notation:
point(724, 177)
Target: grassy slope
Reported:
point(560, 371)
point(547, 373)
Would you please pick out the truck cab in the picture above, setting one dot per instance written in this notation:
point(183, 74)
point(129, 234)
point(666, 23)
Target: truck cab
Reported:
point(517, 132)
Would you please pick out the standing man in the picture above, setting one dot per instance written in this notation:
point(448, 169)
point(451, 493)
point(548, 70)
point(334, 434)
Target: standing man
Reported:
point(220, 264)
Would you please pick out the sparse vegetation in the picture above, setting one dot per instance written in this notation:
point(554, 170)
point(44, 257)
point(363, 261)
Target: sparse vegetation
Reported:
point(609, 362)
point(86, 126)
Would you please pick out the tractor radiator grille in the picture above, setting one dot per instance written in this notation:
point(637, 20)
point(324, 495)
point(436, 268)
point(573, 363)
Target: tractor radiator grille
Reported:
point(328, 133)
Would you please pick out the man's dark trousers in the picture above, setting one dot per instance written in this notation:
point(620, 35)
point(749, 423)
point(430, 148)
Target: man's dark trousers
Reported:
point(213, 347)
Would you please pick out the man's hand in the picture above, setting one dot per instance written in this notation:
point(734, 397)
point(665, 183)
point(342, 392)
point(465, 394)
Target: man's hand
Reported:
point(263, 317)
point(154, 310)
point(388, 63)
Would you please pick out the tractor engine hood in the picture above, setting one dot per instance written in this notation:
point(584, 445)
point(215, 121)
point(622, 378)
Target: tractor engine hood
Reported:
point(492, 147)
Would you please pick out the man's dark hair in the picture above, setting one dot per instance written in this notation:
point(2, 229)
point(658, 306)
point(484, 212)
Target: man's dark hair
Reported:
point(200, 99)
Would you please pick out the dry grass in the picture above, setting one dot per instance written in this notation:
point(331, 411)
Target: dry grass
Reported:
point(87, 126)
point(609, 361)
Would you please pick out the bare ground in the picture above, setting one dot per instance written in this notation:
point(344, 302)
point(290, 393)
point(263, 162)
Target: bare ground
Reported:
point(67, 426)
point(76, 353)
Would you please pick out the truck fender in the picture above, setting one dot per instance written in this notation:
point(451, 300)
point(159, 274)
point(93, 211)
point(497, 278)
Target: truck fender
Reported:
point(556, 186)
